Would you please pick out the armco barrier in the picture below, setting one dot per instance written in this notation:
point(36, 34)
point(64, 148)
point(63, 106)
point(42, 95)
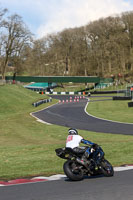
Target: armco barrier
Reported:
point(41, 102)
point(108, 92)
point(121, 98)
point(67, 93)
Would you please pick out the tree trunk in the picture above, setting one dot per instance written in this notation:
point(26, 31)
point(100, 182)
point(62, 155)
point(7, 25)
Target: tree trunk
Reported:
point(109, 65)
point(123, 62)
point(4, 67)
point(3, 72)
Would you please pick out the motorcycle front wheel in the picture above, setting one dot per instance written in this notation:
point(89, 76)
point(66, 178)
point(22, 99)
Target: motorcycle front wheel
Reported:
point(106, 168)
point(72, 171)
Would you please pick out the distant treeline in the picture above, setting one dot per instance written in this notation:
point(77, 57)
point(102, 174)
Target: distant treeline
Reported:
point(103, 48)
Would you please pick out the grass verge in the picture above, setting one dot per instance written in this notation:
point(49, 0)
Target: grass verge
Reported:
point(111, 110)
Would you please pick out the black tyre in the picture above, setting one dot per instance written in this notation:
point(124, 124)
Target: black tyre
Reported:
point(72, 171)
point(106, 168)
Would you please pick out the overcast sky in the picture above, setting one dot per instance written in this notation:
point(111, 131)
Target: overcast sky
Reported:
point(50, 16)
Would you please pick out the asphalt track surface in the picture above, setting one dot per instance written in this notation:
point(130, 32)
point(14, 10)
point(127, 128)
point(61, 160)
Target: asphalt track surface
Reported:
point(118, 187)
point(73, 115)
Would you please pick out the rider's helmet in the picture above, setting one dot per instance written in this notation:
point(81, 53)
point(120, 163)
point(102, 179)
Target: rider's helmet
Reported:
point(72, 131)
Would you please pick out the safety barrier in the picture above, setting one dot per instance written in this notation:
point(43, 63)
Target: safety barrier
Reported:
point(41, 102)
point(130, 104)
point(66, 93)
point(121, 98)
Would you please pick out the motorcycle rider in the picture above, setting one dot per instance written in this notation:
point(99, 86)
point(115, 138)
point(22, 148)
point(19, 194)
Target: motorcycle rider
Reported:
point(73, 141)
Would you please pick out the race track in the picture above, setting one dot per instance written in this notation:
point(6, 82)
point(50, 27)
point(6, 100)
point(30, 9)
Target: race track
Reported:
point(118, 187)
point(73, 115)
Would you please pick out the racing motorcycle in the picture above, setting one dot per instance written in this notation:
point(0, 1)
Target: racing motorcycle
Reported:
point(76, 169)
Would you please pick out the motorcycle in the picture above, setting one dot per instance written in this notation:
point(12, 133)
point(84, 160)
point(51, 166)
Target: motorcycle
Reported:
point(76, 169)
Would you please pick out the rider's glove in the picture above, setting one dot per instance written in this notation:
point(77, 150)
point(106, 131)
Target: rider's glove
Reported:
point(95, 146)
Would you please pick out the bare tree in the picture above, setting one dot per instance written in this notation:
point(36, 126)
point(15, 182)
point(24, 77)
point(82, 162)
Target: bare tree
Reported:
point(127, 19)
point(14, 37)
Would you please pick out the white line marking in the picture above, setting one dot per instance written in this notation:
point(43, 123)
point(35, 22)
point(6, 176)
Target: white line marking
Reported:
point(39, 120)
point(117, 169)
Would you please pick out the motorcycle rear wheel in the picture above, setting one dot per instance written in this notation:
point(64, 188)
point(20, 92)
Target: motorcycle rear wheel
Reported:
point(72, 171)
point(106, 168)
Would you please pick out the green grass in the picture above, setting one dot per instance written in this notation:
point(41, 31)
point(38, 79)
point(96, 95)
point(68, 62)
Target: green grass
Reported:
point(112, 110)
point(27, 147)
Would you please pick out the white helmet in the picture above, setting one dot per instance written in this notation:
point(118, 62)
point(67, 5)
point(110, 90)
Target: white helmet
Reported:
point(72, 131)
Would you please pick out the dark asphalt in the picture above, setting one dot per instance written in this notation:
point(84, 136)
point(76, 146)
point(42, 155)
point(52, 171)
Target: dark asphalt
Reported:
point(73, 115)
point(118, 187)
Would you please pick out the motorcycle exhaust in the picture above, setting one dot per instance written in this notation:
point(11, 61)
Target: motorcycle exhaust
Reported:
point(82, 162)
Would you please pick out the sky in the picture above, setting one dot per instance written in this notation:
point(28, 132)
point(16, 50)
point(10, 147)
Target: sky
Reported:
point(51, 16)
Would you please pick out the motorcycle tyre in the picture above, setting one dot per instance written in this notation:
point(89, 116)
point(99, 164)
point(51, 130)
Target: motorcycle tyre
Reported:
point(105, 172)
point(70, 174)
